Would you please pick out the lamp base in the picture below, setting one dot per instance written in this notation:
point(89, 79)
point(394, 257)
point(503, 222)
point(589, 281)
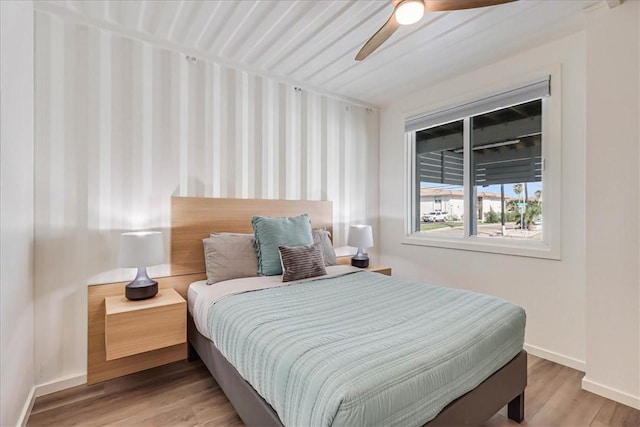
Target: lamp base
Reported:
point(141, 292)
point(142, 287)
point(361, 262)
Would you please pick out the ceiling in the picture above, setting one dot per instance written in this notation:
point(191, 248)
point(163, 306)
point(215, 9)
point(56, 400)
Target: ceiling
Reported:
point(313, 43)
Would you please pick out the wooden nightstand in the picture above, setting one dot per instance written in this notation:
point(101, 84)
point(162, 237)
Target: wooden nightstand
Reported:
point(99, 368)
point(346, 260)
point(379, 269)
point(133, 327)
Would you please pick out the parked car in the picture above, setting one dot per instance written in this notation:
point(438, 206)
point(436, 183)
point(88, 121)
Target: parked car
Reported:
point(437, 216)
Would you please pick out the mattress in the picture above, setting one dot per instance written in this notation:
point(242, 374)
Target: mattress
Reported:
point(195, 289)
point(360, 348)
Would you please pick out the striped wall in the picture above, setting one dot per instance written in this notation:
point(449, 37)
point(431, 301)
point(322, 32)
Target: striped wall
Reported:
point(121, 125)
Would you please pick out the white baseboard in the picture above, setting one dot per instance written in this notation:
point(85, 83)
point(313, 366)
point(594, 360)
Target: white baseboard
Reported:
point(576, 364)
point(48, 388)
point(587, 384)
point(26, 409)
point(60, 384)
point(611, 393)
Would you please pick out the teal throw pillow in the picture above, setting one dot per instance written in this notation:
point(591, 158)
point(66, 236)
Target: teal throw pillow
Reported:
point(272, 233)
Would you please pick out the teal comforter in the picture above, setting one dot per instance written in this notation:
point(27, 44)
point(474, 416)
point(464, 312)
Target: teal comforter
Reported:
point(364, 349)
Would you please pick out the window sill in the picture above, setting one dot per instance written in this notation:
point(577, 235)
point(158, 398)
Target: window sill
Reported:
point(487, 245)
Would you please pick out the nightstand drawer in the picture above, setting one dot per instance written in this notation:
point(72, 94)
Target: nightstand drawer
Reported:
point(133, 327)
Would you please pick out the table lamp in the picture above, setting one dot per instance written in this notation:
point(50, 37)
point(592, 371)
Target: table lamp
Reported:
point(140, 249)
point(361, 237)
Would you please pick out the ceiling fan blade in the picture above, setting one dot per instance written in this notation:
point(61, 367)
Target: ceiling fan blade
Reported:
point(442, 5)
point(378, 38)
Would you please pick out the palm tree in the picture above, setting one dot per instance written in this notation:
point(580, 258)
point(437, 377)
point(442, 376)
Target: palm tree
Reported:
point(532, 210)
point(517, 188)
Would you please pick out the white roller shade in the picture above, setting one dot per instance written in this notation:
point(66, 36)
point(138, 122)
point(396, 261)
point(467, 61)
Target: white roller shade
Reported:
point(534, 90)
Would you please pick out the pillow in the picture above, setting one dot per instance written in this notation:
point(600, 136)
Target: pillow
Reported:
point(274, 232)
point(301, 262)
point(322, 236)
point(229, 256)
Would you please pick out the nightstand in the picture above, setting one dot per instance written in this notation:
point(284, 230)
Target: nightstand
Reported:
point(379, 269)
point(346, 260)
point(134, 327)
point(98, 367)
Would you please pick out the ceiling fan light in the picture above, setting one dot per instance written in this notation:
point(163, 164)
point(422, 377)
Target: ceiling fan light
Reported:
point(409, 12)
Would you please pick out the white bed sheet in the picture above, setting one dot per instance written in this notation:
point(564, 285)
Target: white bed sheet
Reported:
point(192, 293)
point(200, 296)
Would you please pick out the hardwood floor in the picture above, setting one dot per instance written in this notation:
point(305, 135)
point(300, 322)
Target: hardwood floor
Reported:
point(184, 394)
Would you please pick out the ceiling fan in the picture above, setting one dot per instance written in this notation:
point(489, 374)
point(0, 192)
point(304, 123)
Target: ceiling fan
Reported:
point(407, 12)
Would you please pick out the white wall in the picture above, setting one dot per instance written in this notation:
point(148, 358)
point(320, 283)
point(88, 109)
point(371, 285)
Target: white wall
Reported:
point(552, 292)
point(582, 310)
point(121, 125)
point(613, 179)
point(16, 210)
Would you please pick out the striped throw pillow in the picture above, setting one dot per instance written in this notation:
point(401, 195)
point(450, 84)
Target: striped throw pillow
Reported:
point(301, 262)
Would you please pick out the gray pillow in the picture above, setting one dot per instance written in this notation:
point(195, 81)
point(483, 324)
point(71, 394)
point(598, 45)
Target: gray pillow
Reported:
point(230, 256)
point(301, 262)
point(323, 237)
point(274, 232)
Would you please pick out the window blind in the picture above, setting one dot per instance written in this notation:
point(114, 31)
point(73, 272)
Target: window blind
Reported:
point(529, 92)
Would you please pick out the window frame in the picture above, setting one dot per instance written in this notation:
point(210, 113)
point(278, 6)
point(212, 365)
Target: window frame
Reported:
point(550, 245)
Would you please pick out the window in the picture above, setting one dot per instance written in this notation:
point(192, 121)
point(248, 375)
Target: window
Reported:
point(478, 173)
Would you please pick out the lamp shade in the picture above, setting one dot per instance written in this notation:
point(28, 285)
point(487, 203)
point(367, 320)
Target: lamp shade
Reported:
point(141, 249)
point(360, 236)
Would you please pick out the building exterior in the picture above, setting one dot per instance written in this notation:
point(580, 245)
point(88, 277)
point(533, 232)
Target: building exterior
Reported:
point(452, 202)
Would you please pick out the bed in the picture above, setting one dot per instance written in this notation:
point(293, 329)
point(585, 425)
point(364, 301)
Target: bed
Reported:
point(500, 384)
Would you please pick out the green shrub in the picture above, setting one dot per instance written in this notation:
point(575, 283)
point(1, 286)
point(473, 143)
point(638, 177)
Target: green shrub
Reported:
point(491, 217)
point(512, 216)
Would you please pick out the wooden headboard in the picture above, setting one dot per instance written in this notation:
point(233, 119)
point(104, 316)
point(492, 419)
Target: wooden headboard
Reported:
point(194, 218)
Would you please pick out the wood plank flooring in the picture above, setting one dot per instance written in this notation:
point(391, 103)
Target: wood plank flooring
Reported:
point(184, 394)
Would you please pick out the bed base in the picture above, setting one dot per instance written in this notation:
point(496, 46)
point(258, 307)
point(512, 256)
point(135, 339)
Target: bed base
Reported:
point(505, 387)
